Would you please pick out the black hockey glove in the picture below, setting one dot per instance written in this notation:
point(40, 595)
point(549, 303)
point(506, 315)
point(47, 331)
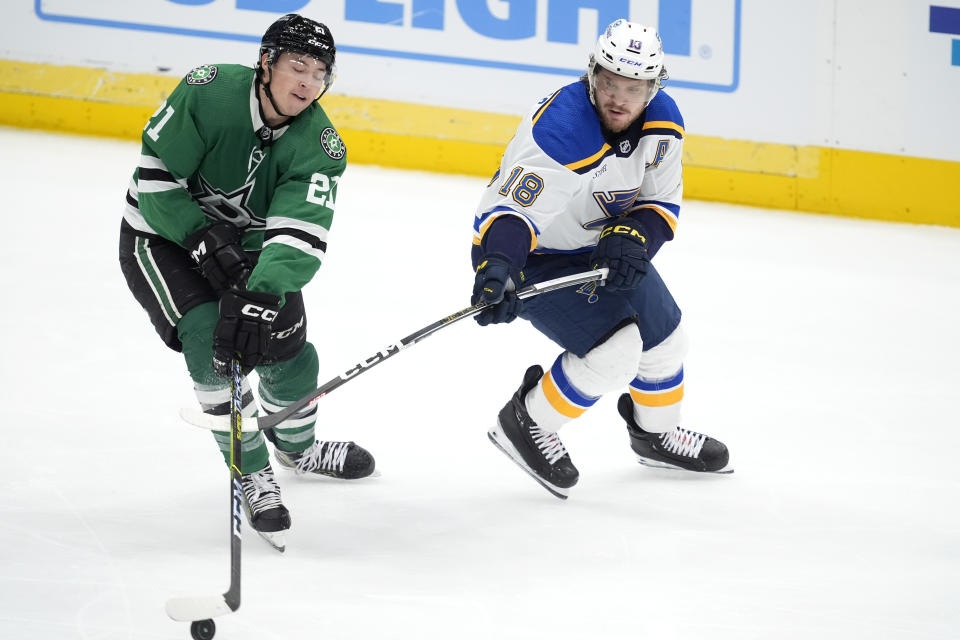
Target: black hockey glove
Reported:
point(623, 249)
point(246, 319)
point(216, 249)
point(494, 283)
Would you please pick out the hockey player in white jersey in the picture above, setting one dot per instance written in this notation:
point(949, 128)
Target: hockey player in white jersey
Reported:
point(593, 178)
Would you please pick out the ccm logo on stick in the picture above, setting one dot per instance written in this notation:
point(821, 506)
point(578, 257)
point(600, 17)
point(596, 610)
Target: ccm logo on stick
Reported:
point(237, 498)
point(377, 357)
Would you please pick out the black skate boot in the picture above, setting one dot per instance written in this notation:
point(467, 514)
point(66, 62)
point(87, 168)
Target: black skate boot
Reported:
point(677, 449)
point(540, 453)
point(265, 511)
point(344, 460)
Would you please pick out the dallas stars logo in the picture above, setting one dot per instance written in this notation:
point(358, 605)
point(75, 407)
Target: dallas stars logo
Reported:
point(230, 207)
point(202, 75)
point(332, 143)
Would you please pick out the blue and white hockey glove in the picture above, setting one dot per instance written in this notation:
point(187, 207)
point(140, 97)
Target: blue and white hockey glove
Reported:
point(623, 249)
point(495, 283)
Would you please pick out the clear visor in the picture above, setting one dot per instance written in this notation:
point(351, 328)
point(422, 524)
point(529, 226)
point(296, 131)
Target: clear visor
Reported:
point(303, 69)
point(624, 90)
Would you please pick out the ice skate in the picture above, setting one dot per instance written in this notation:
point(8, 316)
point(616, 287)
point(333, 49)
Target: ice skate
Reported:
point(265, 511)
point(540, 453)
point(344, 460)
point(676, 449)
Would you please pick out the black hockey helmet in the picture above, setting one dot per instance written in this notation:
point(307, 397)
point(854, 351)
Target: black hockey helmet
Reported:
point(296, 34)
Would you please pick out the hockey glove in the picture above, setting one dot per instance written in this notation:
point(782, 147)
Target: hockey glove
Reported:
point(623, 249)
point(246, 319)
point(494, 283)
point(217, 251)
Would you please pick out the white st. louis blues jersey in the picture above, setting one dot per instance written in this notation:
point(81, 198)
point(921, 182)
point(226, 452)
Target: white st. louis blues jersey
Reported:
point(566, 181)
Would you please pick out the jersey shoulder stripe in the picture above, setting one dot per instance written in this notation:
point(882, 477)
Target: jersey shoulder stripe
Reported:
point(483, 221)
point(567, 129)
point(662, 117)
point(587, 164)
point(543, 107)
point(669, 211)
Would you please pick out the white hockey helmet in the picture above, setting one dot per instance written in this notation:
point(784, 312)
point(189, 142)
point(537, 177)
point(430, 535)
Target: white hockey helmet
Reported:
point(630, 50)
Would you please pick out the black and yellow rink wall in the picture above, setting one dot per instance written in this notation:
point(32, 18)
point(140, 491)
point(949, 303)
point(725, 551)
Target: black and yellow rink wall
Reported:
point(98, 102)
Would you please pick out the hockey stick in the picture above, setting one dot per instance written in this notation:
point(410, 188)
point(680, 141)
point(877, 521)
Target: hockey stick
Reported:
point(218, 423)
point(199, 610)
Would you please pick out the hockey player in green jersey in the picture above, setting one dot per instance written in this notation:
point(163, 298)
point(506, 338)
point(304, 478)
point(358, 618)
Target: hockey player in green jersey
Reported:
point(226, 219)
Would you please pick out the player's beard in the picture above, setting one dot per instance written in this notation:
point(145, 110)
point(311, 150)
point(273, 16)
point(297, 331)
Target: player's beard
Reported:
point(620, 125)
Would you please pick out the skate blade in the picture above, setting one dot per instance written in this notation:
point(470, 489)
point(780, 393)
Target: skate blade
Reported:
point(501, 442)
point(198, 608)
point(658, 464)
point(276, 539)
point(324, 475)
point(313, 475)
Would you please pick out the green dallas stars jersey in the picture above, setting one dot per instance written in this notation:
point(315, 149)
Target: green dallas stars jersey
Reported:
point(203, 161)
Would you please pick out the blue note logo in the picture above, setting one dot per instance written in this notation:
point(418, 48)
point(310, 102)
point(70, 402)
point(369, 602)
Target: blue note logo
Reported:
point(589, 290)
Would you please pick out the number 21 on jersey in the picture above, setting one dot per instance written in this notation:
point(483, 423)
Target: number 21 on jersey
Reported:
point(320, 191)
point(154, 131)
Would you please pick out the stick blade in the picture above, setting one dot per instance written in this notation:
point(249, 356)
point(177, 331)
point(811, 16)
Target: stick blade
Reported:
point(189, 609)
point(196, 417)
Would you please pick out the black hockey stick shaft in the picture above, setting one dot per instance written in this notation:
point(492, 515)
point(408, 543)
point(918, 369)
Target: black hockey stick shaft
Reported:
point(200, 610)
point(272, 420)
point(232, 596)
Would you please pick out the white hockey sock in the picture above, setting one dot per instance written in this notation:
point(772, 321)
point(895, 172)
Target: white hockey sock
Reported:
point(657, 389)
point(574, 384)
point(555, 400)
point(656, 403)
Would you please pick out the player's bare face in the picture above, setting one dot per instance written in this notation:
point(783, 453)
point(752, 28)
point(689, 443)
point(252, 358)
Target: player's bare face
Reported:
point(620, 100)
point(296, 80)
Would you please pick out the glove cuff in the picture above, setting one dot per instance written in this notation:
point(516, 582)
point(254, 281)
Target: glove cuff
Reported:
point(504, 260)
point(218, 234)
point(628, 228)
point(509, 236)
point(260, 297)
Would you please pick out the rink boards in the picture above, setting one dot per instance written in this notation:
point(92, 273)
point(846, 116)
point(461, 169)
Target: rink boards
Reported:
point(94, 101)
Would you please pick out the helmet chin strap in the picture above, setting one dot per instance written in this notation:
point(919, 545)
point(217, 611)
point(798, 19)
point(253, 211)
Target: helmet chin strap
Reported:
point(273, 103)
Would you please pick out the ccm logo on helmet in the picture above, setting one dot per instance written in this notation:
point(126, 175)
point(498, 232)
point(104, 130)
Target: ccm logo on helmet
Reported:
point(254, 311)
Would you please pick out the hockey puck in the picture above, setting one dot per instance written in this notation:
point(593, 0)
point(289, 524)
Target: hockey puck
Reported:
point(202, 630)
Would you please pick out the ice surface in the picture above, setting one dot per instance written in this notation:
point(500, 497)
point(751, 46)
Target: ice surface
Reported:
point(823, 352)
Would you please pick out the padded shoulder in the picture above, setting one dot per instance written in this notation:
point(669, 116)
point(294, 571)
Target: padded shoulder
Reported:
point(663, 116)
point(566, 126)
